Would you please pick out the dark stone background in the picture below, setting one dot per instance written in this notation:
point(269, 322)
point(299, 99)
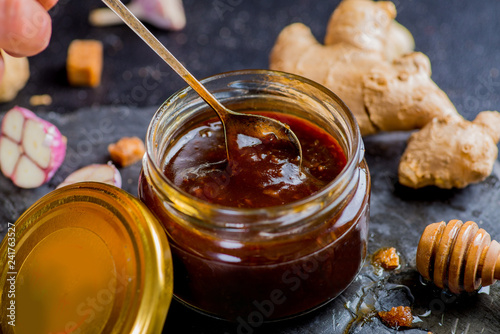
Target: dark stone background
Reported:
point(462, 39)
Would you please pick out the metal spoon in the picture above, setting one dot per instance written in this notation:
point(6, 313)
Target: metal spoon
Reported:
point(234, 123)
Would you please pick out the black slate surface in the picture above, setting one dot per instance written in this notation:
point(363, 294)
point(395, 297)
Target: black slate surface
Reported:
point(462, 39)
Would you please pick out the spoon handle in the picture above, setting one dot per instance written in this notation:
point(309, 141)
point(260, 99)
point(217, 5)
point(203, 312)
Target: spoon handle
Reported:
point(124, 13)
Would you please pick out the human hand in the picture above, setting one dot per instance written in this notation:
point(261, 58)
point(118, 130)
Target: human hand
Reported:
point(25, 27)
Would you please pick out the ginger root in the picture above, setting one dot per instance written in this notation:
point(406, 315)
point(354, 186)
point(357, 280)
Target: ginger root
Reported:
point(367, 61)
point(451, 152)
point(16, 74)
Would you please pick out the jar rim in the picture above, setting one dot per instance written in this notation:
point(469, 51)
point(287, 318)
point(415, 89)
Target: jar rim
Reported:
point(354, 157)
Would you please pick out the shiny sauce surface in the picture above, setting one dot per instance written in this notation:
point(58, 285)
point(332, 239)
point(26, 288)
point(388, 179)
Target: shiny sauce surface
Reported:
point(261, 174)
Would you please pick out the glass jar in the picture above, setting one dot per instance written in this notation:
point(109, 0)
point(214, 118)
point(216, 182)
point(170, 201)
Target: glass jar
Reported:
point(255, 265)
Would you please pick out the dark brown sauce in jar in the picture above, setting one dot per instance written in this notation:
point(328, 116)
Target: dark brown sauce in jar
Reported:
point(259, 242)
point(261, 175)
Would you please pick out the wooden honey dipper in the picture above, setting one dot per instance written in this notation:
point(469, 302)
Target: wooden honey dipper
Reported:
point(459, 256)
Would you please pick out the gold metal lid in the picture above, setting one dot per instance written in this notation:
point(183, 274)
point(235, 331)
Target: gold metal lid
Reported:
point(86, 258)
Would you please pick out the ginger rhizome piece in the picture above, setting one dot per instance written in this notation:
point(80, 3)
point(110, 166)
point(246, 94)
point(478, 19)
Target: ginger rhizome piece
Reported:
point(367, 60)
point(84, 63)
point(16, 73)
point(401, 96)
point(451, 152)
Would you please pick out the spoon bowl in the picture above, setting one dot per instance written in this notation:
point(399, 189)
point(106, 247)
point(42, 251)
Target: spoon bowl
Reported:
point(264, 129)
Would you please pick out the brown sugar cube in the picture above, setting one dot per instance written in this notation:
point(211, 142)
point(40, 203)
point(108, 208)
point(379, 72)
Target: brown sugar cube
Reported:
point(387, 258)
point(84, 63)
point(126, 151)
point(397, 317)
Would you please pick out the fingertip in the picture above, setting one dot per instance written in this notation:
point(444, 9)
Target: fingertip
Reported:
point(48, 4)
point(1, 67)
point(27, 28)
